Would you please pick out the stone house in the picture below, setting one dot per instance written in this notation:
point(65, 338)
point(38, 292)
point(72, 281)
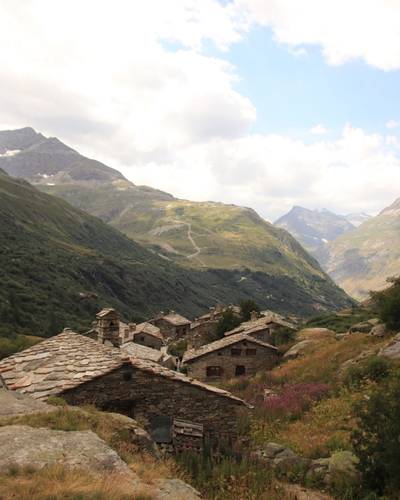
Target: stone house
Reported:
point(84, 371)
point(231, 356)
point(148, 335)
point(173, 326)
point(262, 328)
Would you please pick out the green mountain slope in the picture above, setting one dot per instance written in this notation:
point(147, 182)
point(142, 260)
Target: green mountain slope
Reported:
point(362, 259)
point(228, 239)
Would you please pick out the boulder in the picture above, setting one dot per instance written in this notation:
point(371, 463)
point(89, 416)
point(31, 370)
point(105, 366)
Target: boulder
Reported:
point(14, 403)
point(379, 330)
point(374, 321)
point(392, 350)
point(298, 349)
point(175, 489)
point(363, 327)
point(342, 469)
point(290, 466)
point(24, 446)
point(271, 450)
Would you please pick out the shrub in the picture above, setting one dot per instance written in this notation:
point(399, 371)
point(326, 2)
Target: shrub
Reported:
point(228, 321)
point(374, 369)
point(376, 440)
point(388, 303)
point(247, 307)
point(294, 399)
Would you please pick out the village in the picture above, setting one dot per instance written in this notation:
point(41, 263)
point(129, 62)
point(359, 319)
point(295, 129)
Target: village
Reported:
point(131, 369)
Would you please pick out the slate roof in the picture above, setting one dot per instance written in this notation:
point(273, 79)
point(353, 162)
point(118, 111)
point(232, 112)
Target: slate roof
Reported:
point(259, 325)
point(105, 312)
point(141, 351)
point(220, 344)
point(61, 362)
point(69, 360)
point(149, 329)
point(156, 369)
point(176, 319)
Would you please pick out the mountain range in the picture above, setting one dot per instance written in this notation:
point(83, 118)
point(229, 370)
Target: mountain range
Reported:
point(226, 251)
point(315, 228)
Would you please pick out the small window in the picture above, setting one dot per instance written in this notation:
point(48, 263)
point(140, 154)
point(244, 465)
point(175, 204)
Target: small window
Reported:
point(251, 352)
point(236, 352)
point(219, 353)
point(142, 338)
point(240, 370)
point(214, 371)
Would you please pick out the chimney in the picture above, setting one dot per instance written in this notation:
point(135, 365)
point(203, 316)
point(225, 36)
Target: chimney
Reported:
point(253, 315)
point(132, 327)
point(108, 327)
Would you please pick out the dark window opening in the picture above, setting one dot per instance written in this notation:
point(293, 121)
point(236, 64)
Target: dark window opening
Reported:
point(240, 370)
point(236, 352)
point(251, 352)
point(214, 371)
point(123, 406)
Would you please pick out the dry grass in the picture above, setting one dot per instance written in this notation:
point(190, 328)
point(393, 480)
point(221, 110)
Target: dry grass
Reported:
point(323, 359)
point(323, 429)
point(56, 483)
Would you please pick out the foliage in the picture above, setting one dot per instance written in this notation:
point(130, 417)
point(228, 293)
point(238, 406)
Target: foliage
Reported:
point(228, 321)
point(373, 369)
point(338, 323)
point(230, 474)
point(376, 439)
point(282, 336)
point(178, 348)
point(388, 303)
point(247, 307)
point(293, 400)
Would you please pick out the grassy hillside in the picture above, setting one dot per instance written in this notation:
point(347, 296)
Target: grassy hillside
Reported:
point(58, 266)
point(362, 259)
point(244, 253)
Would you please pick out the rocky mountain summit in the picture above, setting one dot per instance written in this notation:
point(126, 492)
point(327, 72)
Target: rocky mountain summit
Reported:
point(315, 228)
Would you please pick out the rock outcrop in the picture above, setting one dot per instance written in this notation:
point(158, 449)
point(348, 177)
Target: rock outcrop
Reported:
point(392, 350)
point(14, 403)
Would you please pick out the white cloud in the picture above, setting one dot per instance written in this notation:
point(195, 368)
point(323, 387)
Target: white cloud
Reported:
point(100, 76)
point(271, 173)
point(391, 124)
point(345, 30)
point(319, 129)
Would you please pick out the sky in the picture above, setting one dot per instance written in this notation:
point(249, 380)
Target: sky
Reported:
point(260, 103)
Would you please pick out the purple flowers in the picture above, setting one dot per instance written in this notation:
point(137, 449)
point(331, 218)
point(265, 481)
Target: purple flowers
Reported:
point(292, 400)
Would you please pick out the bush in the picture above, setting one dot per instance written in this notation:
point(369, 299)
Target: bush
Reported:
point(227, 322)
point(388, 303)
point(295, 399)
point(374, 369)
point(247, 307)
point(376, 440)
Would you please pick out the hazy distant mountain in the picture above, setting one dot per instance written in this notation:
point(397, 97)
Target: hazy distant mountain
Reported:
point(357, 219)
point(314, 228)
point(192, 234)
point(362, 259)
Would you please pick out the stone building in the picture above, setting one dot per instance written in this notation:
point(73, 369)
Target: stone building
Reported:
point(173, 326)
point(110, 330)
point(148, 335)
point(262, 328)
point(231, 356)
point(83, 371)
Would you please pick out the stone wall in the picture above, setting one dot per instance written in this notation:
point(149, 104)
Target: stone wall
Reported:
point(147, 340)
point(170, 331)
point(231, 357)
point(143, 395)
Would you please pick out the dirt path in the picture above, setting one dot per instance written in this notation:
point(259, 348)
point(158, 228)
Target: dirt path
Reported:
point(197, 249)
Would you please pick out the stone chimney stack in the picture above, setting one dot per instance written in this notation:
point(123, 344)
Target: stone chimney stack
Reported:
point(108, 327)
point(253, 315)
point(132, 327)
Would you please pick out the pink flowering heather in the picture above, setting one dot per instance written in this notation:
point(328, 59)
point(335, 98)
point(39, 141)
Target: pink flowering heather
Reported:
point(292, 400)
